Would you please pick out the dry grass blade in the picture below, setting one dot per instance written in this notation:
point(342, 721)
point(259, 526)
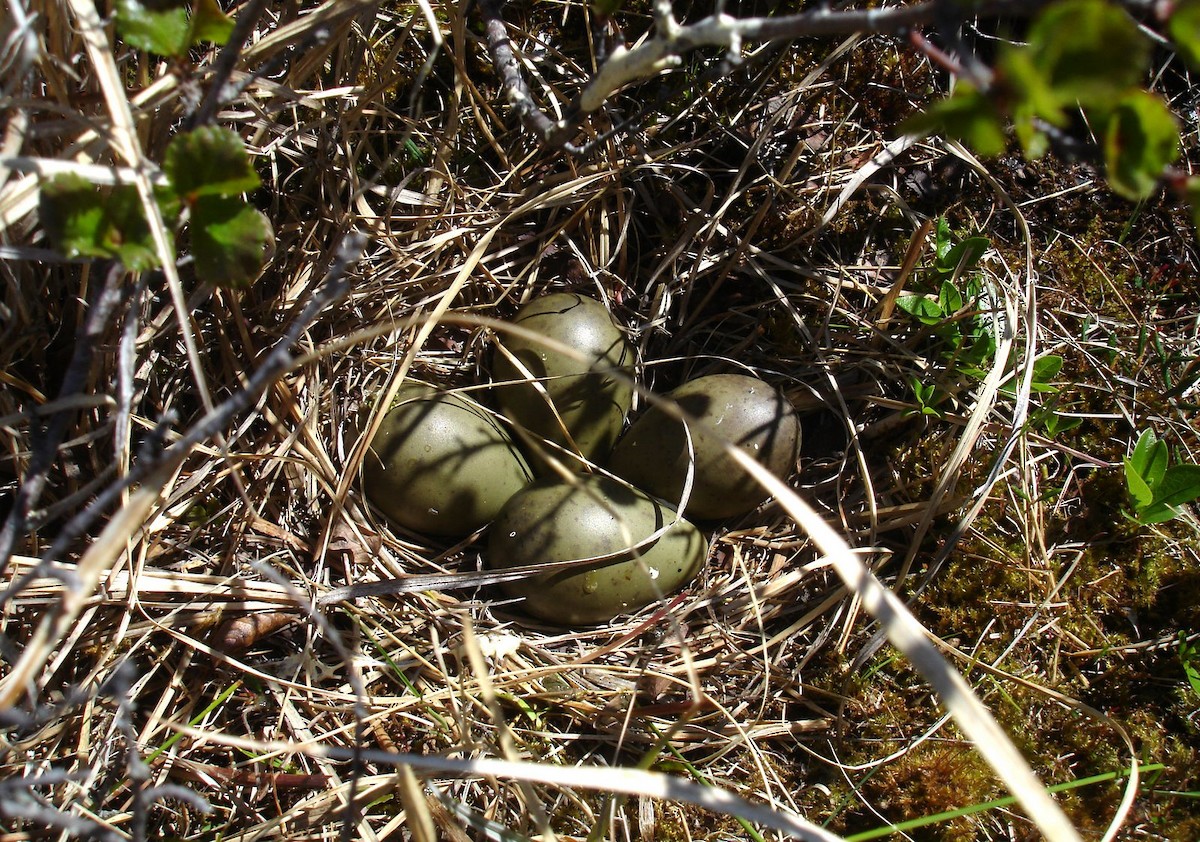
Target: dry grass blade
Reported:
point(245, 629)
point(124, 134)
point(911, 638)
point(56, 624)
point(416, 808)
point(626, 781)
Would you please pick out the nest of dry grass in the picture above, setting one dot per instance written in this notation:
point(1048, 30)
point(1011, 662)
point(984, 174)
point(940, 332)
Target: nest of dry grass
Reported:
point(188, 681)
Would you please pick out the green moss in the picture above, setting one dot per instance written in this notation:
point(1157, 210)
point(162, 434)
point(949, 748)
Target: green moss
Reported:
point(932, 778)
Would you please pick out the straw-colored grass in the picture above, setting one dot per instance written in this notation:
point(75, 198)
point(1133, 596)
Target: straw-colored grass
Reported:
point(931, 610)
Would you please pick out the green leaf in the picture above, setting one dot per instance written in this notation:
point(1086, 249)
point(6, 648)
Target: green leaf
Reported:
point(156, 27)
point(209, 23)
point(980, 352)
point(966, 115)
point(1187, 659)
point(926, 397)
point(1030, 96)
point(1087, 50)
point(230, 240)
point(922, 308)
point(168, 202)
point(82, 221)
point(72, 212)
point(1149, 459)
point(210, 161)
point(1193, 676)
point(974, 283)
point(1184, 29)
point(943, 240)
point(1180, 484)
point(1139, 490)
point(1156, 513)
point(1045, 369)
point(1141, 139)
point(950, 300)
point(968, 252)
point(1055, 424)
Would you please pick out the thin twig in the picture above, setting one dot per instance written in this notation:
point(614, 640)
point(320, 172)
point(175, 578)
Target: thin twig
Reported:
point(274, 364)
point(126, 360)
point(672, 39)
point(217, 93)
point(45, 447)
point(517, 92)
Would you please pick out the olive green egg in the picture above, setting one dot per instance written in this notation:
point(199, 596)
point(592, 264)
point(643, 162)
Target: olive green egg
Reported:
point(745, 411)
point(440, 464)
point(590, 401)
point(556, 520)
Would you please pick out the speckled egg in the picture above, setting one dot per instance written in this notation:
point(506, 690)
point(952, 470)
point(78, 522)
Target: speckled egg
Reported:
point(555, 520)
point(440, 464)
point(591, 403)
point(742, 410)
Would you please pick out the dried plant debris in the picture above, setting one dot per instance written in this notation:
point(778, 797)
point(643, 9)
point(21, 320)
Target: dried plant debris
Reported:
point(208, 631)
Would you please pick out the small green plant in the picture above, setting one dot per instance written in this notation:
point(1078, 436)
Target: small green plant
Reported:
point(1045, 369)
point(1189, 659)
point(953, 313)
point(957, 317)
point(170, 29)
point(205, 171)
point(1157, 489)
point(927, 396)
point(957, 325)
point(1066, 63)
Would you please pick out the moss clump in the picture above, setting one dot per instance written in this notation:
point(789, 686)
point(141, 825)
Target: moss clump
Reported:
point(932, 778)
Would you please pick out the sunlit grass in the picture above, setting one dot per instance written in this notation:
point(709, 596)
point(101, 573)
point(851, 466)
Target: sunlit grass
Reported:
point(993, 503)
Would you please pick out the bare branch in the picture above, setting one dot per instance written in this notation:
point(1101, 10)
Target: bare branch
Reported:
point(516, 91)
point(672, 39)
point(223, 68)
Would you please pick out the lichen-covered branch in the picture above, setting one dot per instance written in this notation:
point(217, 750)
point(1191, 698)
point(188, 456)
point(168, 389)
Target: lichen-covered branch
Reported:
point(515, 89)
point(672, 40)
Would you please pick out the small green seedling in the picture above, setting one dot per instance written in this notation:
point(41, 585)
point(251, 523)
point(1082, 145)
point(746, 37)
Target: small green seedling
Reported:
point(927, 396)
point(960, 331)
point(1189, 659)
point(1157, 489)
point(953, 315)
point(1045, 369)
point(207, 171)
